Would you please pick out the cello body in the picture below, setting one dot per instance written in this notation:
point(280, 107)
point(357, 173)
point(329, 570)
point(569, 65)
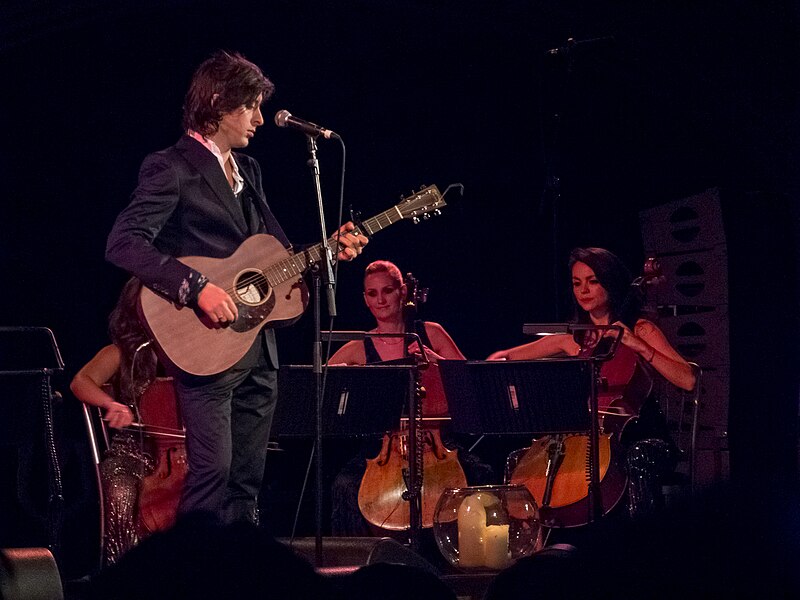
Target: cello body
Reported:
point(381, 496)
point(555, 468)
point(160, 491)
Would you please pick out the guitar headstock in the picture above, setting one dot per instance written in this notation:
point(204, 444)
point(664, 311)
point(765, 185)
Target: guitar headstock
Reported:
point(422, 204)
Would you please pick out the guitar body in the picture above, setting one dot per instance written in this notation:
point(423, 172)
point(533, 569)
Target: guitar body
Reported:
point(190, 341)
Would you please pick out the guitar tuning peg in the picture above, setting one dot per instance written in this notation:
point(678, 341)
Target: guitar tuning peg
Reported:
point(437, 212)
point(426, 216)
point(415, 220)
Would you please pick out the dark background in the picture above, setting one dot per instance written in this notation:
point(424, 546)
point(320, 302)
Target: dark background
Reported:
point(688, 96)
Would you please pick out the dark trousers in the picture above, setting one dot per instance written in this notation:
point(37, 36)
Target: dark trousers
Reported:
point(227, 419)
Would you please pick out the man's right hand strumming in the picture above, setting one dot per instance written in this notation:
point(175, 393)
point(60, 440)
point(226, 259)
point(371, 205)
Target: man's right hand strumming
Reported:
point(217, 304)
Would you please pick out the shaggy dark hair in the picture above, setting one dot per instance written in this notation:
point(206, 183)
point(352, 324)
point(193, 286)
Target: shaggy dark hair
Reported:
point(220, 85)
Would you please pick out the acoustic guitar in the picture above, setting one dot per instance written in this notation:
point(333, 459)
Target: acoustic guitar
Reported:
point(265, 281)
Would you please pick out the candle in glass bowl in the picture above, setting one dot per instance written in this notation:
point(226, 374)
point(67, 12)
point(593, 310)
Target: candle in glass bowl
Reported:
point(487, 527)
point(471, 527)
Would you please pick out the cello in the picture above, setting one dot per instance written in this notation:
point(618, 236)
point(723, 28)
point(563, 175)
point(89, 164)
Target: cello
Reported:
point(158, 438)
point(165, 441)
point(383, 493)
point(555, 468)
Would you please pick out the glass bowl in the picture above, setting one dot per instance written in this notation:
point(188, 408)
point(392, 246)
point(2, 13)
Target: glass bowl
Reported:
point(487, 527)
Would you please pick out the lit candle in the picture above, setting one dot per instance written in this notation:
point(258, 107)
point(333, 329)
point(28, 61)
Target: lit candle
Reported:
point(495, 546)
point(471, 527)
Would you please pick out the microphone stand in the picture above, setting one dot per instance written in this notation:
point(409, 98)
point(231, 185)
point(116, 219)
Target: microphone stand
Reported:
point(552, 147)
point(320, 272)
point(551, 194)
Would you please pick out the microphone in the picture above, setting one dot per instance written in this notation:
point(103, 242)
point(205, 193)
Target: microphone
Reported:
point(283, 118)
point(573, 44)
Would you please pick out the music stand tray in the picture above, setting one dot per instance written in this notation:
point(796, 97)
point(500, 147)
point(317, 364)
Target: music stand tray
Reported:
point(537, 397)
point(359, 400)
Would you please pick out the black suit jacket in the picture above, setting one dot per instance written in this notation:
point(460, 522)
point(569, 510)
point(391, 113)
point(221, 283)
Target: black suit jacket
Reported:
point(184, 206)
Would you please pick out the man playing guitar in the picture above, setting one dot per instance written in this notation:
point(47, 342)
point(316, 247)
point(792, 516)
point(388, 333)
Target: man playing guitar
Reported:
point(198, 198)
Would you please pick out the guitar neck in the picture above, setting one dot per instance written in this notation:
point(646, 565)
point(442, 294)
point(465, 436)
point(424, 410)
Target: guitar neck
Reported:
point(298, 263)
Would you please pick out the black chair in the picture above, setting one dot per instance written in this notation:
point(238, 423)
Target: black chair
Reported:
point(99, 442)
point(681, 410)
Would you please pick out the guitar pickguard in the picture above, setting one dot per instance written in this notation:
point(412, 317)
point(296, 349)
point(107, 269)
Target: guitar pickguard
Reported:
point(254, 298)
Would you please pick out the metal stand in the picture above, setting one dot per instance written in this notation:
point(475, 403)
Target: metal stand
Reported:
point(30, 357)
point(552, 119)
point(321, 270)
point(414, 485)
point(594, 496)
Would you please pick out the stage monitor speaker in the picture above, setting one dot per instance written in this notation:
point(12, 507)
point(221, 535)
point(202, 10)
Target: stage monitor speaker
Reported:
point(29, 574)
point(354, 552)
point(689, 225)
point(693, 279)
point(701, 337)
point(336, 551)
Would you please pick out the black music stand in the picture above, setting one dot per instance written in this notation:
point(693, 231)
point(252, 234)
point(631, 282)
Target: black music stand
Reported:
point(336, 404)
point(29, 357)
point(536, 397)
point(349, 407)
point(539, 397)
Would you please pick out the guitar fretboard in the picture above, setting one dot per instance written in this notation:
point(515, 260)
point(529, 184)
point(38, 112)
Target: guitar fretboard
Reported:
point(298, 263)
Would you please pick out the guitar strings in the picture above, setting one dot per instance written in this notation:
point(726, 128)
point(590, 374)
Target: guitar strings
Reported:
point(279, 270)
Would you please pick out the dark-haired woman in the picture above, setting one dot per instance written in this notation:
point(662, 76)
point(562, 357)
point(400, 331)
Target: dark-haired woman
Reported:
point(603, 295)
point(129, 366)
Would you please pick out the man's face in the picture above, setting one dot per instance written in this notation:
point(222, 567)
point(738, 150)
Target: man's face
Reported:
point(238, 126)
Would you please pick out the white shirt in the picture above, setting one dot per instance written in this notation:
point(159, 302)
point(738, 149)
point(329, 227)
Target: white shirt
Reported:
point(238, 181)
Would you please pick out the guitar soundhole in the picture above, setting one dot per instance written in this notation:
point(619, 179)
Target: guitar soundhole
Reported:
point(252, 288)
